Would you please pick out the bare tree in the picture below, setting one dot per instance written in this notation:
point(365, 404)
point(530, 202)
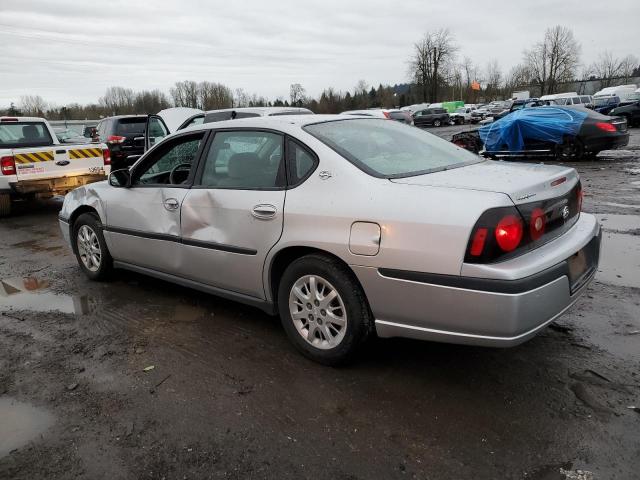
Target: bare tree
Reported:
point(553, 60)
point(493, 80)
point(609, 69)
point(431, 57)
point(297, 94)
point(518, 77)
point(33, 105)
point(185, 94)
point(241, 98)
point(213, 95)
point(118, 100)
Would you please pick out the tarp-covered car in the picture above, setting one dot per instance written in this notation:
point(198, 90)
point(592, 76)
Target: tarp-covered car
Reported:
point(565, 132)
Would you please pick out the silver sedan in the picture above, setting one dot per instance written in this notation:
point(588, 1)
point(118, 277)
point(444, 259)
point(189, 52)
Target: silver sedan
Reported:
point(346, 227)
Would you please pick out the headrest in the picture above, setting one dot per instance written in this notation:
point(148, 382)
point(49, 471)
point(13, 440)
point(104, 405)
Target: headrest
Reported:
point(243, 165)
point(30, 131)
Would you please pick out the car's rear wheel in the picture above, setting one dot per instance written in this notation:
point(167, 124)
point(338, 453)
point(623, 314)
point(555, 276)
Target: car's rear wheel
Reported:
point(323, 309)
point(437, 123)
point(5, 205)
point(572, 149)
point(90, 248)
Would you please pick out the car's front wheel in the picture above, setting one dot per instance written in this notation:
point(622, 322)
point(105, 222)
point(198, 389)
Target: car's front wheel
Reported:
point(323, 309)
point(437, 122)
point(90, 248)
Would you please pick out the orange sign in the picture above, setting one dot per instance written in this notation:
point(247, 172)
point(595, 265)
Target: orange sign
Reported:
point(475, 85)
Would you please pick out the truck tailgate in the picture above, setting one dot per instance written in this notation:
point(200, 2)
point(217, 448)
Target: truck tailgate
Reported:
point(58, 161)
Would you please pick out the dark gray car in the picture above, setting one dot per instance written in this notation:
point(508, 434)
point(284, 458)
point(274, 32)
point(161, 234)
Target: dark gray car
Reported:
point(431, 116)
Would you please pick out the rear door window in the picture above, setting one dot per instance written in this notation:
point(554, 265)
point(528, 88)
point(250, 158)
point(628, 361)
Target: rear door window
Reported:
point(248, 160)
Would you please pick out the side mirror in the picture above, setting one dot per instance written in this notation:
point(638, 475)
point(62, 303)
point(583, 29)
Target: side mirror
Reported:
point(120, 178)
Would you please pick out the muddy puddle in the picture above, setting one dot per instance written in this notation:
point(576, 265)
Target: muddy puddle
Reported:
point(33, 294)
point(21, 423)
point(620, 254)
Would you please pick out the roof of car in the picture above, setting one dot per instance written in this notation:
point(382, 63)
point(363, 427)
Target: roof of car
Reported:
point(280, 121)
point(262, 110)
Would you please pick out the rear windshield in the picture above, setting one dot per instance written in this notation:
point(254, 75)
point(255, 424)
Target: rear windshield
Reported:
point(390, 149)
point(131, 126)
point(24, 134)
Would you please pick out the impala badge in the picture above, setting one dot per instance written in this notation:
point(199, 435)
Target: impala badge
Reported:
point(62, 163)
point(324, 175)
point(565, 212)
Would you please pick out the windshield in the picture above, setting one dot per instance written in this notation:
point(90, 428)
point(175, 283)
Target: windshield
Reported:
point(389, 149)
point(24, 134)
point(602, 101)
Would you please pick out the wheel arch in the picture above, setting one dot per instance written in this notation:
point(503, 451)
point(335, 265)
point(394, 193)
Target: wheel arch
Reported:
point(284, 257)
point(74, 216)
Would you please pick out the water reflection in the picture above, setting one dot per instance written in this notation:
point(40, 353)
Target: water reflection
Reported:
point(32, 293)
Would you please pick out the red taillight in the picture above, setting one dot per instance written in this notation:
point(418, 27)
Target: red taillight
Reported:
point(106, 156)
point(116, 139)
point(606, 127)
point(387, 114)
point(477, 245)
point(8, 119)
point(8, 165)
point(537, 223)
point(580, 195)
point(509, 233)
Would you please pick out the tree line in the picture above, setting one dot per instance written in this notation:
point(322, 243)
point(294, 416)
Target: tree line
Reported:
point(436, 72)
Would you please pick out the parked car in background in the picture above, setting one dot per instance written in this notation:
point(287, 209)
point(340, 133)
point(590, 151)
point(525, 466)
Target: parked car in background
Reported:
point(205, 208)
point(431, 116)
point(630, 111)
point(124, 135)
point(68, 135)
point(519, 105)
point(568, 99)
point(34, 163)
point(402, 116)
point(611, 97)
point(237, 113)
point(563, 132)
point(462, 115)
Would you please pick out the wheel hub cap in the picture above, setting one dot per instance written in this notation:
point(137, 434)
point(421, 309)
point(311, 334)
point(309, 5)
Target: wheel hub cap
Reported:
point(318, 312)
point(89, 248)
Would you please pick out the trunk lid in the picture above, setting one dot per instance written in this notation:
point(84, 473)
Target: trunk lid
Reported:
point(522, 182)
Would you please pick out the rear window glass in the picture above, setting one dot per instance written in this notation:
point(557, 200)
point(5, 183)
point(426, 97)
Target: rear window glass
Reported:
point(389, 149)
point(24, 134)
point(131, 126)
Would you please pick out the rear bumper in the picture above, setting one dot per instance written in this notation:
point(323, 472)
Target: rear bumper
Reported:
point(56, 186)
point(610, 142)
point(501, 313)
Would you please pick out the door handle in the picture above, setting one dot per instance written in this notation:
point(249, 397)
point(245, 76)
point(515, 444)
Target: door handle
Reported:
point(264, 211)
point(171, 204)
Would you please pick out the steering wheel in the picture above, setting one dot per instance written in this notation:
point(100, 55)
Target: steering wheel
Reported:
point(181, 167)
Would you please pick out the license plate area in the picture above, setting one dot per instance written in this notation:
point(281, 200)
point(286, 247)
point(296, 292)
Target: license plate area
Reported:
point(583, 263)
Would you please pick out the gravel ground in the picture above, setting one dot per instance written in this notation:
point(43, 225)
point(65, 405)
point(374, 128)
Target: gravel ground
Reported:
point(137, 378)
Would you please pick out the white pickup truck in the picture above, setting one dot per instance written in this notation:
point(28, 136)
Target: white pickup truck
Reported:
point(33, 164)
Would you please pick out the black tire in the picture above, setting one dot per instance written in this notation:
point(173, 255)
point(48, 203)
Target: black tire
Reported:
point(571, 150)
point(5, 205)
point(437, 123)
point(92, 221)
point(359, 324)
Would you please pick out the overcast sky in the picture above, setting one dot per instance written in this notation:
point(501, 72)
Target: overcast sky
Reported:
point(71, 51)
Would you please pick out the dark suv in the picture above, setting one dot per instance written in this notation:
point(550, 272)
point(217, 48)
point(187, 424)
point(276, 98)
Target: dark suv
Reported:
point(431, 116)
point(630, 111)
point(124, 135)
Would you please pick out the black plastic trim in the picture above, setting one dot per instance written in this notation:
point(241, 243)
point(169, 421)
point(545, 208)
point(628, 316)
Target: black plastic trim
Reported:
point(185, 241)
point(520, 285)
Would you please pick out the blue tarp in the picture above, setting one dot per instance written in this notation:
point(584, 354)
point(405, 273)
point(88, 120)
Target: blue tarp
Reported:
point(547, 124)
